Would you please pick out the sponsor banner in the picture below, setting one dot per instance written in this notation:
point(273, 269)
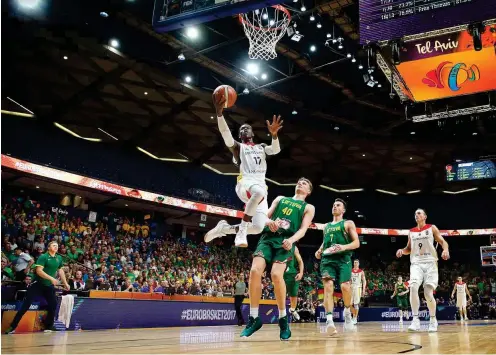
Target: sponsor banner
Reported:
point(93, 313)
point(63, 176)
point(15, 306)
point(389, 314)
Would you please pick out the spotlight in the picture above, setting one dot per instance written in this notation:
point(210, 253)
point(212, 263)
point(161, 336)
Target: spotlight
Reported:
point(348, 55)
point(312, 18)
point(313, 48)
point(396, 52)
point(340, 45)
point(328, 35)
point(379, 86)
point(65, 57)
point(294, 112)
point(104, 14)
point(360, 66)
point(334, 40)
point(272, 22)
point(412, 133)
point(146, 93)
point(246, 91)
point(37, 187)
point(181, 56)
point(187, 79)
point(303, 8)
point(114, 43)
point(252, 68)
point(265, 16)
point(353, 60)
point(264, 76)
point(474, 134)
point(295, 0)
point(192, 32)
point(319, 25)
point(411, 158)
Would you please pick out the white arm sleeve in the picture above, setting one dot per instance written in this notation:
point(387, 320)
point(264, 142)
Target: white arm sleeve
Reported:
point(225, 132)
point(274, 148)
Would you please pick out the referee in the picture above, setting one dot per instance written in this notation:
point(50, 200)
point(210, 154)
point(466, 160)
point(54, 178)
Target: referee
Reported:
point(239, 296)
point(46, 266)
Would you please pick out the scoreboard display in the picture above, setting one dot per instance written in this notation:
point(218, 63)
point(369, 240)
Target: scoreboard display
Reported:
point(488, 255)
point(484, 169)
point(382, 20)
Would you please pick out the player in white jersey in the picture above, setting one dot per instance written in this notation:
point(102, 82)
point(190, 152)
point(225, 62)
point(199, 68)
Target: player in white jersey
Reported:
point(358, 283)
point(251, 188)
point(461, 297)
point(423, 268)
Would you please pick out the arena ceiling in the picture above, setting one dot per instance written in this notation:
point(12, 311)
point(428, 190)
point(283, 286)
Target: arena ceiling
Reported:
point(344, 135)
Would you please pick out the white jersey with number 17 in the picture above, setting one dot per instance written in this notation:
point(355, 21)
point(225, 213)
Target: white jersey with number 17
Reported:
point(253, 164)
point(422, 245)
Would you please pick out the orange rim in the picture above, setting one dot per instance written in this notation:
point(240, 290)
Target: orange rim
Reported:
point(277, 7)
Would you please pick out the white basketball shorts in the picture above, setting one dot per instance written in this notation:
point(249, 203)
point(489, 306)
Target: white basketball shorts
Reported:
point(461, 302)
point(424, 273)
point(243, 191)
point(356, 294)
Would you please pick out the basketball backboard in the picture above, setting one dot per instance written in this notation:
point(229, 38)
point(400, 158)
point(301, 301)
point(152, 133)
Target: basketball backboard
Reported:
point(169, 15)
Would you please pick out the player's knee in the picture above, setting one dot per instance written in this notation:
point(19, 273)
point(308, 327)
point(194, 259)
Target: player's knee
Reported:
point(256, 271)
point(277, 275)
point(329, 286)
point(345, 286)
point(256, 227)
point(257, 193)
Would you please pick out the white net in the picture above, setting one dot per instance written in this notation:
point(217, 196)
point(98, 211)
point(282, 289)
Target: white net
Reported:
point(264, 28)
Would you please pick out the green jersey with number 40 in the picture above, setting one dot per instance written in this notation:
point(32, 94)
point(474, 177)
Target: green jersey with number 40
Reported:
point(336, 234)
point(289, 214)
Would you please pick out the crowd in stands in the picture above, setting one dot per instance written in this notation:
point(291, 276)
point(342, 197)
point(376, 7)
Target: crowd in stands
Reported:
point(121, 254)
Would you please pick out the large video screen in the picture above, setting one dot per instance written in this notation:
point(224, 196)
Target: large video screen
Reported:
point(448, 66)
point(475, 170)
point(382, 20)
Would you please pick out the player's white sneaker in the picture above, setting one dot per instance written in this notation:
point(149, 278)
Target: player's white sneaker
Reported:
point(415, 326)
point(215, 232)
point(466, 318)
point(348, 322)
point(401, 321)
point(294, 314)
point(433, 325)
point(241, 240)
point(331, 328)
point(354, 321)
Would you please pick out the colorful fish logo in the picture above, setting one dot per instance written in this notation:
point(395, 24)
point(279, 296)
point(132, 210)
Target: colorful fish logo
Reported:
point(452, 76)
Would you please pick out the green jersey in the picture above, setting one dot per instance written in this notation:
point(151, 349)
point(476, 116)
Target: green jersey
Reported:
point(336, 234)
point(50, 264)
point(289, 213)
point(400, 287)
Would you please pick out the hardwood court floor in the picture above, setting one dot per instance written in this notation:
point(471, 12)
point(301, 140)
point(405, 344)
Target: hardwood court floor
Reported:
point(369, 338)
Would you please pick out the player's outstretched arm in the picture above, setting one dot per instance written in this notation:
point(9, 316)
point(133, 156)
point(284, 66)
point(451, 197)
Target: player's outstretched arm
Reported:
point(273, 128)
point(444, 244)
point(223, 127)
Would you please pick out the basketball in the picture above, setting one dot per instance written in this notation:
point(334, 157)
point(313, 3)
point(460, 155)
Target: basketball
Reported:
point(227, 92)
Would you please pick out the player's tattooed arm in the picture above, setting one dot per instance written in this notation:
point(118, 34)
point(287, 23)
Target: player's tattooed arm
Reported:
point(318, 253)
point(444, 244)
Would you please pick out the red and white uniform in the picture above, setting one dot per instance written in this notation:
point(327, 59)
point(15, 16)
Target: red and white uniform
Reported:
point(461, 295)
point(252, 170)
point(423, 257)
point(356, 286)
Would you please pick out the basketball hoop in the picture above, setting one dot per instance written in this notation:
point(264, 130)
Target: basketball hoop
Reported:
point(264, 28)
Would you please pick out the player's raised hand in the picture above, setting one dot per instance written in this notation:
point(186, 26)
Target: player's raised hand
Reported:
point(445, 254)
point(219, 104)
point(275, 126)
point(399, 253)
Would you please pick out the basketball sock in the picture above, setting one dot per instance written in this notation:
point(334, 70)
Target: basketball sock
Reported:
point(431, 301)
point(282, 313)
point(254, 312)
point(401, 314)
point(414, 299)
point(329, 317)
point(230, 229)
